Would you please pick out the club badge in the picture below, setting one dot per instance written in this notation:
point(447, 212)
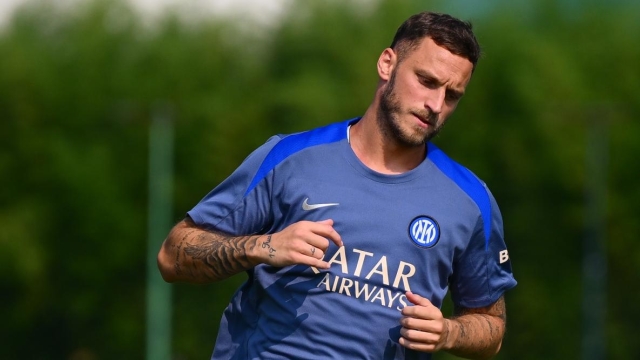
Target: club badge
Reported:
point(424, 231)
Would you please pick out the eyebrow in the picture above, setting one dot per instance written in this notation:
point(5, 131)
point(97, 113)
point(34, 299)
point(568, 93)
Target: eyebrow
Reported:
point(427, 75)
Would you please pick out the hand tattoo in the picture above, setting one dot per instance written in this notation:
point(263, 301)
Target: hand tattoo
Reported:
point(267, 245)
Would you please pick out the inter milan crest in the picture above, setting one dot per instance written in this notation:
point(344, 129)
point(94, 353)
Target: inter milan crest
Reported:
point(424, 231)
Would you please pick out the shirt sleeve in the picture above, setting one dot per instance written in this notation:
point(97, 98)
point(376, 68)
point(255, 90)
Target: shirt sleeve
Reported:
point(239, 205)
point(483, 272)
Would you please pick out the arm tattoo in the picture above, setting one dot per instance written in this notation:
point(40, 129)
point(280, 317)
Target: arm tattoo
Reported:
point(178, 247)
point(480, 330)
point(215, 255)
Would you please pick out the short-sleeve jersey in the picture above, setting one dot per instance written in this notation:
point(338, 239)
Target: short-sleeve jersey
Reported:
point(433, 229)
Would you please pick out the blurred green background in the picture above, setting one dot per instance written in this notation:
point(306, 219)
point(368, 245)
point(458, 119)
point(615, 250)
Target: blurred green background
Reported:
point(550, 122)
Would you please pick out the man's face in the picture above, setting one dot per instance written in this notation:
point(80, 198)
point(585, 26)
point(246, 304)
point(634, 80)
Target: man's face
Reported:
point(424, 88)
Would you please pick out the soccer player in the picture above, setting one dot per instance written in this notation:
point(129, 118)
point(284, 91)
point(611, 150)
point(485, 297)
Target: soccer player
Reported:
point(351, 234)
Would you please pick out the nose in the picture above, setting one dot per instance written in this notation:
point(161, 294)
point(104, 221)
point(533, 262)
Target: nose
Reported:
point(435, 100)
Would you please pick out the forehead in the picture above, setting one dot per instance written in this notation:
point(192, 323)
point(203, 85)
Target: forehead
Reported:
point(436, 60)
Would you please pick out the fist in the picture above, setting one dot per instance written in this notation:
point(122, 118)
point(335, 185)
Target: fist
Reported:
point(423, 326)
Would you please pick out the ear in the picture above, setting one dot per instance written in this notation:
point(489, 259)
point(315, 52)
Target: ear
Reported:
point(386, 63)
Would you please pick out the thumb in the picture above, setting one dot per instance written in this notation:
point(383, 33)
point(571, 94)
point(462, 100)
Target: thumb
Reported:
point(417, 299)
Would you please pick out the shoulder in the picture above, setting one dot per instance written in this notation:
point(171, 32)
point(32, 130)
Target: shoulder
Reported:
point(456, 172)
point(282, 147)
point(292, 143)
point(467, 181)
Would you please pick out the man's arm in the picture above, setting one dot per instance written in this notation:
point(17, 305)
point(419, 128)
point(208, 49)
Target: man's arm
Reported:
point(477, 333)
point(195, 255)
point(470, 333)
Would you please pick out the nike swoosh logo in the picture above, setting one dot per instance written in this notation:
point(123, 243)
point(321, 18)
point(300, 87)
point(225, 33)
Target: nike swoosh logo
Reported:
point(306, 206)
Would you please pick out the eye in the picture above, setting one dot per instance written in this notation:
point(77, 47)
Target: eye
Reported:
point(428, 82)
point(453, 96)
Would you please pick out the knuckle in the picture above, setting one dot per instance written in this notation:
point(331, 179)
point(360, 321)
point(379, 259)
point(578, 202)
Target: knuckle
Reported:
point(297, 232)
point(404, 321)
point(409, 322)
point(439, 327)
point(411, 345)
point(409, 334)
point(299, 247)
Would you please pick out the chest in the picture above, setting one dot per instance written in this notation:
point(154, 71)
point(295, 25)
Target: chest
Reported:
point(400, 234)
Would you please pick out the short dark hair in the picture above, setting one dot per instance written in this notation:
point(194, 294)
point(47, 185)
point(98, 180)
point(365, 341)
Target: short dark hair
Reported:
point(453, 34)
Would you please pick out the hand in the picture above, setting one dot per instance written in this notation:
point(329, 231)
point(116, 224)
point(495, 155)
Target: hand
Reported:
point(423, 326)
point(304, 242)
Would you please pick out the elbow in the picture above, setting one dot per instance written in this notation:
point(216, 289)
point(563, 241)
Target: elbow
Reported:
point(484, 354)
point(493, 353)
point(498, 348)
point(166, 266)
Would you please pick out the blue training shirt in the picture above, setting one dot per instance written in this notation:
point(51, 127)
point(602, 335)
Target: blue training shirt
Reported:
point(433, 229)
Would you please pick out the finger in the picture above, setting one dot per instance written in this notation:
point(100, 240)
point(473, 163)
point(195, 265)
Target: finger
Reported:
point(417, 299)
point(317, 263)
point(413, 345)
point(308, 256)
point(426, 324)
point(420, 336)
point(326, 230)
point(422, 308)
point(319, 236)
point(316, 252)
point(316, 241)
point(311, 245)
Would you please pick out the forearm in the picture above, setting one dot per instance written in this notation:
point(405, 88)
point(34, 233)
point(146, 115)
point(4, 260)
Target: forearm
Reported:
point(475, 336)
point(477, 333)
point(190, 254)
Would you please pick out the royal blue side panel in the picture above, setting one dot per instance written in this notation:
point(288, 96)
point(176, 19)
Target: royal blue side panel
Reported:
point(467, 182)
point(296, 142)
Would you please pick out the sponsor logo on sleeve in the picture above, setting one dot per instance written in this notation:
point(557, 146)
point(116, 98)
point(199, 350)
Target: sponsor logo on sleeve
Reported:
point(504, 256)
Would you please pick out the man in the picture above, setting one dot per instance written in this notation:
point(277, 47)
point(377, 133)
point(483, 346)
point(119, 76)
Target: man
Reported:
point(352, 234)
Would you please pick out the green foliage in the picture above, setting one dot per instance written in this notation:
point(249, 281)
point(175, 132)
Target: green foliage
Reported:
point(77, 90)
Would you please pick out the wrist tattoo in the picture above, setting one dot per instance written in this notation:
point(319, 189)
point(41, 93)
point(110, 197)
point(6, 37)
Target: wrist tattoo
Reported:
point(267, 245)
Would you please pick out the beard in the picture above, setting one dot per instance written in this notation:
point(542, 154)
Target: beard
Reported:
point(390, 124)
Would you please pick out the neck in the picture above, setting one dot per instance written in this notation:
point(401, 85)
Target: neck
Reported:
point(378, 150)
